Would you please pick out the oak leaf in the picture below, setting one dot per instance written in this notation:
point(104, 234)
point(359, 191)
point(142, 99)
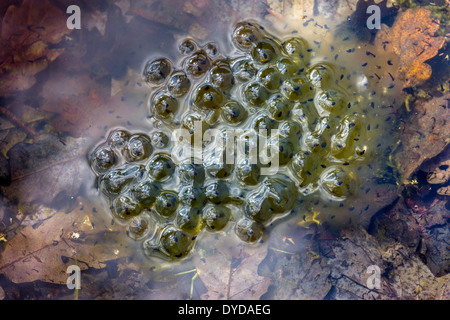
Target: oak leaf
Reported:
point(412, 39)
point(233, 276)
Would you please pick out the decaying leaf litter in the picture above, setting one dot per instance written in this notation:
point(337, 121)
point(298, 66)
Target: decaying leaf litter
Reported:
point(49, 221)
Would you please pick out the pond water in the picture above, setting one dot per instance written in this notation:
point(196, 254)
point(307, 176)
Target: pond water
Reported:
point(334, 99)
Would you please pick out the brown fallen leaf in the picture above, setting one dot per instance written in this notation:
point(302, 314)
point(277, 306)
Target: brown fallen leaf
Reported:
point(410, 279)
point(337, 269)
point(43, 251)
point(294, 264)
point(418, 223)
point(350, 257)
point(47, 168)
point(403, 275)
point(78, 101)
point(26, 35)
point(439, 172)
point(86, 107)
point(426, 133)
point(444, 191)
point(34, 21)
point(233, 276)
point(437, 169)
point(412, 39)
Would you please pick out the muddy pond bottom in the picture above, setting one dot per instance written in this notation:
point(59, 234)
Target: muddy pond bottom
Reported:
point(239, 142)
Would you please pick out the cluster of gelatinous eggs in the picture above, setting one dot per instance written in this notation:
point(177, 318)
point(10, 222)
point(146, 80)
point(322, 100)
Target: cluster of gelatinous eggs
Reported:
point(268, 84)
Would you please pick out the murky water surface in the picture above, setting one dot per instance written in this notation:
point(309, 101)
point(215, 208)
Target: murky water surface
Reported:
point(332, 97)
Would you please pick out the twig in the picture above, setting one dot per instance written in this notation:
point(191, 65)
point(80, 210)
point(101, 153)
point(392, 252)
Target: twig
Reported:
point(19, 122)
point(25, 256)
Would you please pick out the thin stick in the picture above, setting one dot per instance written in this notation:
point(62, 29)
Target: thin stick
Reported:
point(19, 122)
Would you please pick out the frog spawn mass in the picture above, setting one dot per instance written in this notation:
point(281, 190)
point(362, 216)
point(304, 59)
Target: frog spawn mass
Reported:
point(270, 84)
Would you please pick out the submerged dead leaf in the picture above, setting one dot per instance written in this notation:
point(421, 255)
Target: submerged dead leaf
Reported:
point(77, 99)
point(438, 172)
point(426, 133)
point(352, 254)
point(86, 106)
point(45, 169)
point(412, 39)
point(27, 32)
point(43, 251)
point(233, 276)
point(410, 279)
point(296, 267)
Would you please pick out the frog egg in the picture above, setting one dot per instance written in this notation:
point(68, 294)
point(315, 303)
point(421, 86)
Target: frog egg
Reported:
point(265, 51)
point(191, 173)
point(139, 147)
point(216, 217)
point(257, 206)
point(270, 78)
point(216, 191)
point(187, 46)
point(166, 203)
point(156, 71)
point(103, 159)
point(336, 184)
point(255, 94)
point(279, 107)
point(179, 84)
point(140, 227)
point(159, 139)
point(161, 167)
point(208, 97)
point(245, 35)
point(330, 101)
point(233, 112)
point(125, 208)
point(297, 49)
point(118, 138)
point(175, 243)
point(192, 196)
point(322, 75)
point(303, 167)
point(291, 130)
point(146, 193)
point(164, 105)
point(197, 64)
point(296, 88)
point(118, 180)
point(287, 68)
point(249, 230)
point(189, 219)
point(248, 173)
point(221, 75)
point(244, 70)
